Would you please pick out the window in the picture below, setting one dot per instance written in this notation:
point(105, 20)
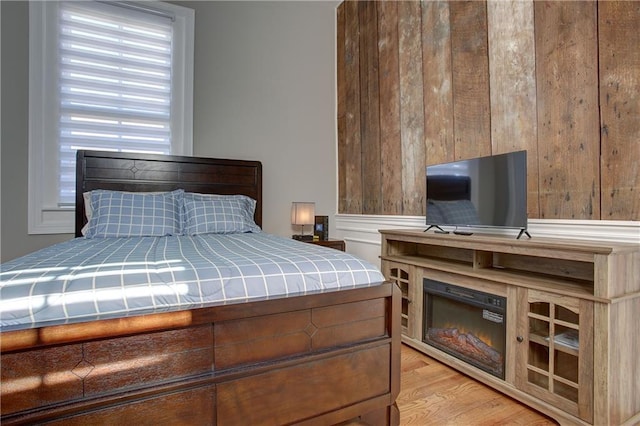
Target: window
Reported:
point(105, 76)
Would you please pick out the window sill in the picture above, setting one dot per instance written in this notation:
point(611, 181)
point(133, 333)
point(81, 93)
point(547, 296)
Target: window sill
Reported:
point(52, 221)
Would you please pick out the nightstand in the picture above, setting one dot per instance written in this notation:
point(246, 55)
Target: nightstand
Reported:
point(335, 244)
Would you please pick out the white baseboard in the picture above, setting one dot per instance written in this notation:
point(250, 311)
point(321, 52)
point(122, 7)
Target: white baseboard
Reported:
point(362, 238)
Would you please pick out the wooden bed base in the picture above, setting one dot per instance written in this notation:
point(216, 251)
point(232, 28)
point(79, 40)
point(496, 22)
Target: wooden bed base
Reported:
point(316, 359)
point(323, 359)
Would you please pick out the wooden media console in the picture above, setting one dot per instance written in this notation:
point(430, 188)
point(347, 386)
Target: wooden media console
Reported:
point(572, 306)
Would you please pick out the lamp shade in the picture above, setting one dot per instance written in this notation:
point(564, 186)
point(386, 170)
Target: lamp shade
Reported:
point(303, 213)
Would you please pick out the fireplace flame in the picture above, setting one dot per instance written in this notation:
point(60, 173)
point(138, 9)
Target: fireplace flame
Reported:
point(463, 330)
point(468, 346)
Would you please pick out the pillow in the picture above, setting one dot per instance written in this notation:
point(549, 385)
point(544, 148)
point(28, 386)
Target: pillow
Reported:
point(134, 214)
point(251, 203)
point(218, 214)
point(88, 211)
point(458, 212)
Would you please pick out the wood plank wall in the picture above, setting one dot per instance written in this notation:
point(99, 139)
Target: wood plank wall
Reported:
point(422, 83)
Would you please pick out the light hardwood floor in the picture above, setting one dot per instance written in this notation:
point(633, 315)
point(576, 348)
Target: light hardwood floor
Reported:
point(432, 393)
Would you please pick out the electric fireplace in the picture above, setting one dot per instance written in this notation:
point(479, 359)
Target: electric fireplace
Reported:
point(467, 324)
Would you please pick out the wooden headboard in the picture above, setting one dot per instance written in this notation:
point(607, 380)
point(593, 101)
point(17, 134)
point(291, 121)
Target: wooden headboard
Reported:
point(152, 172)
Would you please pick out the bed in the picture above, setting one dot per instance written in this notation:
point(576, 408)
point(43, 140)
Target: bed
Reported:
point(309, 354)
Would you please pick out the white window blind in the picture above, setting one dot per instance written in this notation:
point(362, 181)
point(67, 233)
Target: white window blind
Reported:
point(108, 76)
point(115, 83)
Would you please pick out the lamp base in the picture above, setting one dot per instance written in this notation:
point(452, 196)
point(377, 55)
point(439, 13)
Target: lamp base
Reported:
point(303, 237)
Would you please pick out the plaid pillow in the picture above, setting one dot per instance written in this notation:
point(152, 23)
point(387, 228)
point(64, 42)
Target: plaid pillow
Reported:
point(130, 214)
point(218, 214)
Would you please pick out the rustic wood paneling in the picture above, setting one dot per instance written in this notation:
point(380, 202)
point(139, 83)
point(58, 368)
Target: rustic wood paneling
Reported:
point(469, 56)
point(512, 79)
point(342, 105)
point(369, 107)
point(437, 84)
point(465, 79)
point(411, 108)
point(568, 131)
point(389, 75)
point(353, 153)
point(619, 51)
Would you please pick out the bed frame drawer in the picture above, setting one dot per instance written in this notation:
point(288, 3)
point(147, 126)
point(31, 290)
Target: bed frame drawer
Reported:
point(99, 368)
point(295, 393)
point(271, 337)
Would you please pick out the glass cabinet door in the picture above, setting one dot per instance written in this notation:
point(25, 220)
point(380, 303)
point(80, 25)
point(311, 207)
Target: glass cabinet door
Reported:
point(556, 342)
point(408, 279)
point(400, 275)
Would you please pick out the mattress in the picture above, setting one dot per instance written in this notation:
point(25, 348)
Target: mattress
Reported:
point(88, 279)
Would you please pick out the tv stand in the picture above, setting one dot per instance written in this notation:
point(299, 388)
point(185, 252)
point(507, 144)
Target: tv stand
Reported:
point(523, 231)
point(556, 290)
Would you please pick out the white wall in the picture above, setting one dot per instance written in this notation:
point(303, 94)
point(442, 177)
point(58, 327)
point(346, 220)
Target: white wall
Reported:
point(264, 90)
point(14, 136)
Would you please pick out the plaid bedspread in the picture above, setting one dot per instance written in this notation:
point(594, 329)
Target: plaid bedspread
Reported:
point(86, 279)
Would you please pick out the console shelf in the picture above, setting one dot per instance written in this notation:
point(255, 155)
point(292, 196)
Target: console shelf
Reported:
point(562, 285)
point(572, 309)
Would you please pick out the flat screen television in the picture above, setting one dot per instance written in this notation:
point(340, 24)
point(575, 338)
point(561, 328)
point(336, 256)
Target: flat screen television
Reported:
point(479, 192)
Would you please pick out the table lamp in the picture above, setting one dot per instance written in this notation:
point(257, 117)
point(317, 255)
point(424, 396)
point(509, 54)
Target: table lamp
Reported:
point(303, 213)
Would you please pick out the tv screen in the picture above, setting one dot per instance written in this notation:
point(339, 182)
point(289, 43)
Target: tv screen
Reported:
point(479, 192)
